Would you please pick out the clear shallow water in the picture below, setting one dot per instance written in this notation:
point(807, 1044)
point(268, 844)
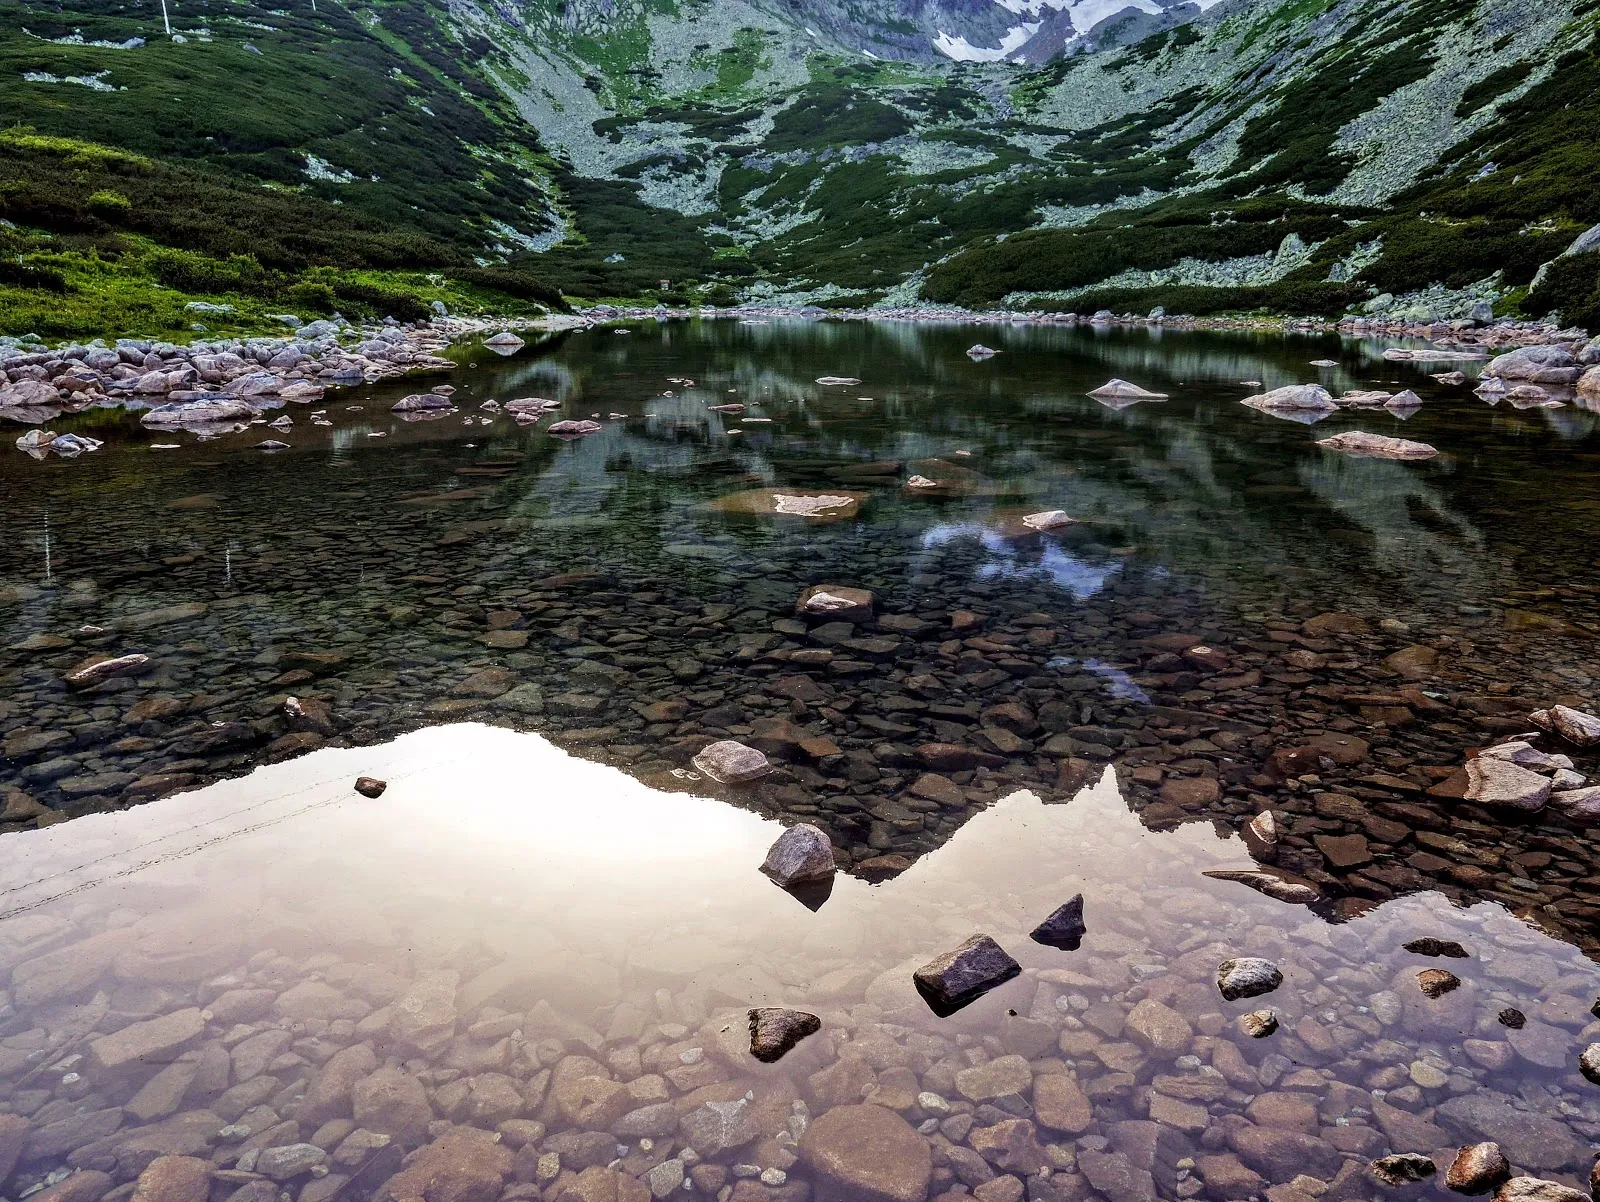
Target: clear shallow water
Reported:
point(607, 592)
point(267, 980)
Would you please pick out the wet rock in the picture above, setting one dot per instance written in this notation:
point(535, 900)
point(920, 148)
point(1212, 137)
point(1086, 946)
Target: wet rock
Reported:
point(1589, 1062)
point(1115, 1176)
point(1533, 1189)
point(1064, 928)
point(424, 1019)
point(391, 1102)
point(174, 1179)
point(86, 1185)
point(1477, 1169)
point(997, 1078)
point(329, 1096)
point(421, 402)
point(1258, 1024)
point(1429, 946)
point(1281, 1156)
point(866, 1154)
point(99, 669)
point(370, 786)
point(1158, 1029)
point(288, 1161)
point(1403, 1168)
point(1512, 1018)
point(1010, 1146)
point(1575, 726)
point(729, 762)
point(1247, 976)
point(802, 854)
point(1528, 1139)
point(1377, 446)
point(836, 603)
point(462, 1165)
point(775, 1031)
point(152, 1042)
point(1436, 982)
point(1496, 782)
point(959, 976)
point(1060, 1104)
point(1304, 397)
point(14, 1131)
point(1121, 390)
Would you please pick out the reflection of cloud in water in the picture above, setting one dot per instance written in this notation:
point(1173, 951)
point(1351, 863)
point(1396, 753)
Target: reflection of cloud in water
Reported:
point(1118, 683)
point(1077, 575)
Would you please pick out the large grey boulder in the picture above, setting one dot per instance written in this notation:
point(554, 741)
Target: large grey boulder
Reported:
point(961, 975)
point(801, 855)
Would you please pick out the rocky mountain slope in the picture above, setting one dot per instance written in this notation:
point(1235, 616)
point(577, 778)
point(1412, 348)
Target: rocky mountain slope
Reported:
point(1297, 155)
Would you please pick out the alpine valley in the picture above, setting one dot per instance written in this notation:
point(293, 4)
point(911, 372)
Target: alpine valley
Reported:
point(1431, 159)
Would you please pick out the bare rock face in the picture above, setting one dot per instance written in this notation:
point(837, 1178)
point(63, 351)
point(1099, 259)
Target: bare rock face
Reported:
point(1477, 1169)
point(801, 855)
point(866, 1154)
point(774, 1031)
point(1496, 782)
point(730, 762)
point(1247, 976)
point(950, 981)
point(1064, 928)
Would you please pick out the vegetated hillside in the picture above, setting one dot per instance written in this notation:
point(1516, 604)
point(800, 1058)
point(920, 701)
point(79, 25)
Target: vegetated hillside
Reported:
point(377, 155)
point(330, 157)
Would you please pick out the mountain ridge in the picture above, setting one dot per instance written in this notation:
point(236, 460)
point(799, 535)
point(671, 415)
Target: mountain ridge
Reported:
point(1296, 155)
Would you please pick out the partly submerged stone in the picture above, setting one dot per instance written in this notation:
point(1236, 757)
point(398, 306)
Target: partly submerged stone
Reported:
point(370, 786)
point(1589, 1062)
point(729, 762)
point(979, 351)
point(1121, 390)
point(1064, 928)
point(420, 401)
point(1247, 976)
point(1477, 1169)
point(1377, 446)
point(96, 670)
point(209, 411)
point(834, 381)
point(792, 502)
point(1308, 397)
point(1535, 1189)
point(802, 854)
point(504, 343)
point(836, 602)
point(573, 429)
point(1498, 782)
point(1576, 727)
point(1049, 519)
point(1281, 886)
point(1403, 1168)
point(952, 980)
point(774, 1031)
point(1429, 946)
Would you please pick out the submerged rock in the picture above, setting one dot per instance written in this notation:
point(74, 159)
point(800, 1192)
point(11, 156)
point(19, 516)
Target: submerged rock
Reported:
point(1258, 1024)
point(774, 1031)
point(792, 502)
point(1377, 446)
point(802, 854)
point(866, 1154)
point(961, 975)
point(1534, 1189)
point(1247, 976)
point(838, 603)
point(97, 670)
point(1064, 928)
point(730, 762)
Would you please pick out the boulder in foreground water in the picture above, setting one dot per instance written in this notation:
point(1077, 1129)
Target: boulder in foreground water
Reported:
point(802, 854)
point(1247, 976)
point(774, 1031)
point(730, 762)
point(866, 1154)
point(1064, 928)
point(961, 975)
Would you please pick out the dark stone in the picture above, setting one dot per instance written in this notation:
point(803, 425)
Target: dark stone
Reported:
point(1429, 946)
point(958, 977)
point(1064, 929)
point(369, 786)
point(774, 1031)
point(1404, 1168)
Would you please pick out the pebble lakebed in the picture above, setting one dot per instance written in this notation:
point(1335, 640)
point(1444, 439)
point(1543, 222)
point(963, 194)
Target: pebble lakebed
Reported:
point(586, 591)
